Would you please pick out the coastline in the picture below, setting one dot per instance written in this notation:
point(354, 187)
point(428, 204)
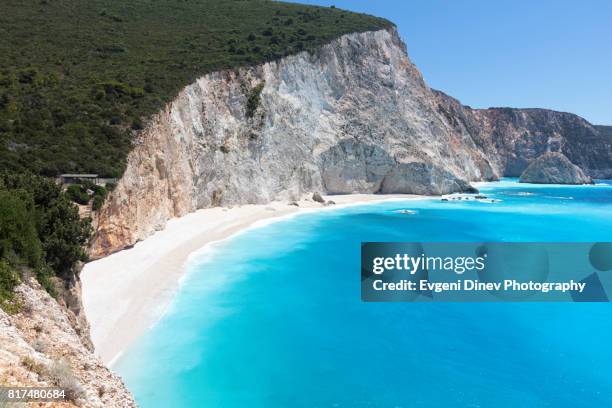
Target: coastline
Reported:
point(126, 293)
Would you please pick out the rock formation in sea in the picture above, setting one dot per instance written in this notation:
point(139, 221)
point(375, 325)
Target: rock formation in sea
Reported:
point(355, 116)
point(554, 168)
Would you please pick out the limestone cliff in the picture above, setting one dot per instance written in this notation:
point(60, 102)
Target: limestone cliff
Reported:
point(513, 138)
point(39, 346)
point(353, 117)
point(356, 116)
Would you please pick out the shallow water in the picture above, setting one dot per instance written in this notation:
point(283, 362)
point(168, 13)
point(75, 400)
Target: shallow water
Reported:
point(273, 317)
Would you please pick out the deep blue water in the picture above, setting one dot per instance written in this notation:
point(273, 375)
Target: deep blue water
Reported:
point(273, 317)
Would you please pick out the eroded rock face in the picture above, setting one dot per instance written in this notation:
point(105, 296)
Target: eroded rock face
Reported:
point(355, 117)
point(512, 138)
point(40, 345)
point(413, 177)
point(554, 168)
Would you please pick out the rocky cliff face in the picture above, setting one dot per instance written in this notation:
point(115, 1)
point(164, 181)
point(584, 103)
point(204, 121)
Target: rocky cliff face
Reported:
point(355, 117)
point(554, 168)
point(513, 138)
point(39, 346)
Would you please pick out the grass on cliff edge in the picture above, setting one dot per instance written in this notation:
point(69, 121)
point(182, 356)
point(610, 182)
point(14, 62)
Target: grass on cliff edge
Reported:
point(78, 77)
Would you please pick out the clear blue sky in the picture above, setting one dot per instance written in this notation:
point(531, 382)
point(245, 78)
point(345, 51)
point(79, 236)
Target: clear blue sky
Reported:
point(519, 53)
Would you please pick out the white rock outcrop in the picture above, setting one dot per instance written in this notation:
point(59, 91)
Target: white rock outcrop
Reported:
point(354, 117)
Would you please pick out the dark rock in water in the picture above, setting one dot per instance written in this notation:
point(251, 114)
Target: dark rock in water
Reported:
point(554, 168)
point(318, 198)
point(480, 197)
point(444, 199)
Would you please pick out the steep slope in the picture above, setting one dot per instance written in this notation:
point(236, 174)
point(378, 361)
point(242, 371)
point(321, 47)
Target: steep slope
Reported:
point(40, 347)
point(512, 138)
point(604, 130)
point(354, 116)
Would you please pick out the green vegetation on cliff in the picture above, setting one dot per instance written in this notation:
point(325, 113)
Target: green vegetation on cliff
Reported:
point(78, 77)
point(40, 232)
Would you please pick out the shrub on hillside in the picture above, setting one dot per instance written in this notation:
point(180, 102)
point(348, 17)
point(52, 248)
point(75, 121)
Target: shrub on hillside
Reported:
point(62, 375)
point(19, 243)
point(77, 193)
point(253, 99)
point(40, 228)
point(9, 278)
point(97, 203)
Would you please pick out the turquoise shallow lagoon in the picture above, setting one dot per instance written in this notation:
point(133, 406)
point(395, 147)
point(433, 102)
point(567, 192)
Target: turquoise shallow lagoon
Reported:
point(273, 316)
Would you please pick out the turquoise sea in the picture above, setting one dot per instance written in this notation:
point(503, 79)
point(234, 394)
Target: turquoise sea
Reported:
point(273, 318)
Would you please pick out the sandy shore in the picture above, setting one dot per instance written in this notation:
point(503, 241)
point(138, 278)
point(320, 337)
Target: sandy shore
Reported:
point(125, 293)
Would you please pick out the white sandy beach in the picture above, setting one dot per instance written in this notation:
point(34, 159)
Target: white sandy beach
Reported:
point(125, 293)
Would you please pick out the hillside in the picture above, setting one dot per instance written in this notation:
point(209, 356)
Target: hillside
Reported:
point(77, 77)
point(604, 130)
